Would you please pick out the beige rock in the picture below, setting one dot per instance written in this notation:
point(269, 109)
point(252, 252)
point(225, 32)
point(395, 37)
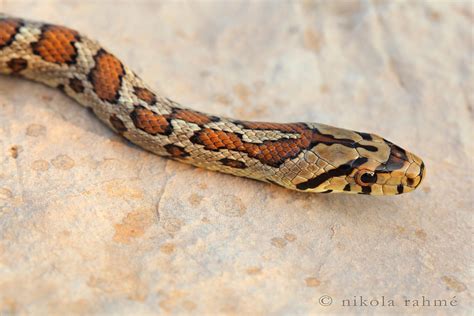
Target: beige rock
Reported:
point(90, 224)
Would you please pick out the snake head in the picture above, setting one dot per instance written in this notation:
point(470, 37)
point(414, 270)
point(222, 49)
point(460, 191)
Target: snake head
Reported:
point(354, 162)
point(400, 172)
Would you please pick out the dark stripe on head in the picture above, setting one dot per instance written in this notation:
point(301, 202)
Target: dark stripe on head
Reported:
point(368, 147)
point(328, 139)
point(397, 157)
point(344, 169)
point(359, 161)
point(365, 136)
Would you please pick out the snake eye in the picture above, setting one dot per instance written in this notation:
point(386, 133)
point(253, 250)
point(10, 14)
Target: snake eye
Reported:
point(365, 178)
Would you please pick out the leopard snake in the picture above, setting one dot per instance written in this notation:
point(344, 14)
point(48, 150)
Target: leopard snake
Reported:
point(308, 157)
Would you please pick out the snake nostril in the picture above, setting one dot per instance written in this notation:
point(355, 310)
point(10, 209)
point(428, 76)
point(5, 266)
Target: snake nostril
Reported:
point(410, 181)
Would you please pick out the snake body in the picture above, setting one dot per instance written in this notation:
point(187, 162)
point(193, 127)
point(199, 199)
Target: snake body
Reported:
point(308, 157)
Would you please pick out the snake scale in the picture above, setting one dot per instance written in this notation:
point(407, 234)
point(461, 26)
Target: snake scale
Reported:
point(308, 157)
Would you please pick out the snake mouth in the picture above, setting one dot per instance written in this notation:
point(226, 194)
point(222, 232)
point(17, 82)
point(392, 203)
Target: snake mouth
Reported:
point(421, 174)
point(413, 181)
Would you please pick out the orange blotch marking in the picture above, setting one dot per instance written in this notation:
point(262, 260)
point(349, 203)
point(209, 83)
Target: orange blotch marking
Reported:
point(215, 140)
point(106, 76)
point(56, 44)
point(8, 29)
point(150, 122)
point(274, 153)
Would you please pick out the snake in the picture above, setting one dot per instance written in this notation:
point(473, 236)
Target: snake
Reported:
point(306, 157)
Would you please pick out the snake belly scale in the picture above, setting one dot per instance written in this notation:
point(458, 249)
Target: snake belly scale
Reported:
point(308, 157)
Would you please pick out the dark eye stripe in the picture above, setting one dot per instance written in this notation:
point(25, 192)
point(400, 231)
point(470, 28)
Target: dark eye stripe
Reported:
point(344, 169)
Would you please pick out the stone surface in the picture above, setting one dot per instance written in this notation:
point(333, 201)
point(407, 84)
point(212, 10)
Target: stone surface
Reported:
point(91, 224)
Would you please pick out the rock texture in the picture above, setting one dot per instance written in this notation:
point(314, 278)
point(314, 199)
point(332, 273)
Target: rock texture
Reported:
point(90, 224)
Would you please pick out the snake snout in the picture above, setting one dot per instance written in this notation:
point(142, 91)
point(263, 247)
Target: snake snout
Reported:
point(406, 170)
point(415, 176)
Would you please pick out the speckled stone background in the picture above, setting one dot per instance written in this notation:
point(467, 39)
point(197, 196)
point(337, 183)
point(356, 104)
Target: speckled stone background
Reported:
point(90, 224)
